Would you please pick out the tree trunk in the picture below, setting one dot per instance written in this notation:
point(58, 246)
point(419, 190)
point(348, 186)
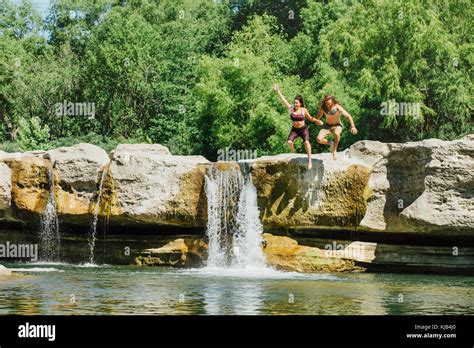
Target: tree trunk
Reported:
point(12, 131)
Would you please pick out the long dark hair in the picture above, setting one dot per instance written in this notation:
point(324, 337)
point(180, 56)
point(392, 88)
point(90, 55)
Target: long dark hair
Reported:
point(301, 100)
point(328, 97)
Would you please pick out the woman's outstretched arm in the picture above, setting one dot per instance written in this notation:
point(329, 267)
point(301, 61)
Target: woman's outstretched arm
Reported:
point(281, 96)
point(311, 118)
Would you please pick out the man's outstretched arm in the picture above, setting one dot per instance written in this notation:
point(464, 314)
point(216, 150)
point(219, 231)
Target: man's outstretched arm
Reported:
point(349, 118)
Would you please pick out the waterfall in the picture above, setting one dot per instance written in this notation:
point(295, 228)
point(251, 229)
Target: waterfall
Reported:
point(248, 237)
point(233, 227)
point(49, 237)
point(95, 219)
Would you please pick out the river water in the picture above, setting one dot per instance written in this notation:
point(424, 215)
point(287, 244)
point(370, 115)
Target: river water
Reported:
point(58, 288)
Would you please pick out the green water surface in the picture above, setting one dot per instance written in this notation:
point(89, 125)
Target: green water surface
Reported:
point(106, 290)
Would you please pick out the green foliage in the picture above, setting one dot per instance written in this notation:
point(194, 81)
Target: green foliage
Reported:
point(197, 75)
point(32, 135)
point(287, 13)
point(141, 69)
point(234, 98)
point(10, 146)
point(408, 52)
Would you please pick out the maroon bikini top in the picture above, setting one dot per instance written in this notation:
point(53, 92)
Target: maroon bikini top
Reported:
point(295, 117)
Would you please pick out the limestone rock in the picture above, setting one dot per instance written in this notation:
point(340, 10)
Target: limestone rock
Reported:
point(282, 253)
point(182, 252)
point(424, 187)
point(154, 187)
point(326, 255)
point(30, 184)
point(286, 254)
point(77, 170)
point(16, 156)
point(133, 149)
point(5, 186)
point(331, 195)
point(420, 187)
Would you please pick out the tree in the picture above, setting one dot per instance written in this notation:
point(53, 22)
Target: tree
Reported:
point(234, 101)
point(141, 65)
point(396, 52)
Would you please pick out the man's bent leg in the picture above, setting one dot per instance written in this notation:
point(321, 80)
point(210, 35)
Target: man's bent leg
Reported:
point(323, 133)
point(337, 137)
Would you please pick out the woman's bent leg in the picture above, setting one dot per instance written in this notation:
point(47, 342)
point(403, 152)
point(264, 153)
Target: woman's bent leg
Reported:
point(291, 138)
point(291, 145)
point(307, 145)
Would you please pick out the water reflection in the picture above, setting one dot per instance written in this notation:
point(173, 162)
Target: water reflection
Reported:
point(236, 297)
point(133, 290)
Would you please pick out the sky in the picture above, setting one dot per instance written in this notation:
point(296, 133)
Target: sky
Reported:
point(41, 5)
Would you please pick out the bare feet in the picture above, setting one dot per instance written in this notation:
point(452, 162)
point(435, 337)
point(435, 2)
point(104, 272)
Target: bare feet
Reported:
point(310, 165)
point(332, 149)
point(331, 145)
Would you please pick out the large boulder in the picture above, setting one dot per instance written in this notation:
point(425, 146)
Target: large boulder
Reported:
point(419, 187)
point(182, 252)
point(423, 187)
point(78, 170)
point(29, 183)
point(286, 254)
point(153, 187)
point(332, 195)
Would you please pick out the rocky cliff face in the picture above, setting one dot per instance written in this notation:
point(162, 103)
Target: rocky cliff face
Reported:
point(420, 187)
point(5, 186)
point(153, 187)
point(77, 170)
point(333, 195)
point(425, 186)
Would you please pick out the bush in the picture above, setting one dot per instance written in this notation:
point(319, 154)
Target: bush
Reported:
point(32, 136)
point(10, 146)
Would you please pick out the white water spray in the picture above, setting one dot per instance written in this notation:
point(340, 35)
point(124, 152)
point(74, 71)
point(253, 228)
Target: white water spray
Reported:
point(49, 237)
point(233, 228)
point(95, 219)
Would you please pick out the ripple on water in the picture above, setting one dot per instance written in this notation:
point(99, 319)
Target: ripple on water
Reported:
point(36, 269)
point(261, 273)
point(89, 265)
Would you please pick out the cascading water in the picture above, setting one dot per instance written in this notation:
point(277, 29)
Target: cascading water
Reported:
point(248, 237)
point(49, 236)
point(233, 228)
point(95, 219)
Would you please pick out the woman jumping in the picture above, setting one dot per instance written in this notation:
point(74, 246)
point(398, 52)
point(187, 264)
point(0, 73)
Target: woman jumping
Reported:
point(333, 110)
point(299, 129)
